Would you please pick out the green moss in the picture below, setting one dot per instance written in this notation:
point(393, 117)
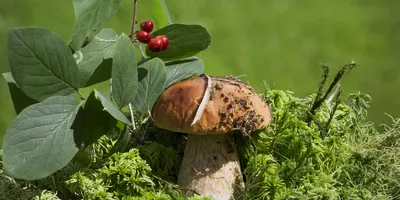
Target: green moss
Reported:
point(348, 159)
point(164, 161)
point(335, 154)
point(123, 174)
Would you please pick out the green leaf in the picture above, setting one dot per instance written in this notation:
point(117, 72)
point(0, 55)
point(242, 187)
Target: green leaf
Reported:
point(41, 63)
point(152, 76)
point(90, 17)
point(184, 41)
point(111, 108)
point(124, 72)
point(160, 13)
point(95, 59)
point(19, 99)
point(122, 142)
point(98, 122)
point(183, 69)
point(41, 139)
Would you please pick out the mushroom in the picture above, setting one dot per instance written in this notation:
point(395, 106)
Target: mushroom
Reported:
point(210, 164)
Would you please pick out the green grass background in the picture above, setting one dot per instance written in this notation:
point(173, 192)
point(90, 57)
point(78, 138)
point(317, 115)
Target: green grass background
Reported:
point(283, 42)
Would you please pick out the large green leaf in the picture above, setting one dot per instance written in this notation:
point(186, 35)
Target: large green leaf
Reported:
point(182, 69)
point(41, 63)
point(19, 99)
point(184, 41)
point(124, 72)
point(90, 17)
point(160, 13)
point(98, 122)
point(152, 76)
point(111, 108)
point(41, 139)
point(95, 59)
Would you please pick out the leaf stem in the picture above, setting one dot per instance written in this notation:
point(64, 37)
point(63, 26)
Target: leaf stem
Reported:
point(111, 93)
point(142, 52)
point(132, 117)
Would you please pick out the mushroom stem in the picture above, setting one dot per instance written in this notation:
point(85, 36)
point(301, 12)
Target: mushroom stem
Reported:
point(211, 166)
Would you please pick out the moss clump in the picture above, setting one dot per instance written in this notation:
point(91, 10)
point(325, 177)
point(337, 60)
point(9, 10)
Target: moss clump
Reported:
point(314, 149)
point(339, 156)
point(124, 175)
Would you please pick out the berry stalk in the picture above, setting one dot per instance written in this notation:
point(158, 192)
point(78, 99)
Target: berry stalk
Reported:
point(133, 20)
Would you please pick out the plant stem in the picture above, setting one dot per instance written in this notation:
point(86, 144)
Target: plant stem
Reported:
point(141, 140)
point(132, 117)
point(133, 19)
point(142, 52)
point(111, 93)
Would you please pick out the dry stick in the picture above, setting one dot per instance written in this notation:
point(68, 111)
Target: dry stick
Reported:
point(174, 186)
point(204, 101)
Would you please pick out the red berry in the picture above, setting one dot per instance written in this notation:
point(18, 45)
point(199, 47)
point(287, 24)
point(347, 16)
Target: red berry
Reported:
point(143, 36)
point(147, 26)
point(164, 40)
point(155, 45)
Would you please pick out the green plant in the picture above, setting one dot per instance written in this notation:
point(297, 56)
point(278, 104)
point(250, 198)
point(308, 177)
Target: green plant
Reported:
point(69, 146)
point(60, 122)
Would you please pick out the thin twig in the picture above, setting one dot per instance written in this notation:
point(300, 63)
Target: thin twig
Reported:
point(174, 186)
point(134, 19)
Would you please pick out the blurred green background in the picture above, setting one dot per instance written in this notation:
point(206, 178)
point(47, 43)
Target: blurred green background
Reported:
point(283, 42)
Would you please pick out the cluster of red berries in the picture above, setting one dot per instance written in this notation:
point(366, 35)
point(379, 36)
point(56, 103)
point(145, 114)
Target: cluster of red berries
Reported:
point(159, 43)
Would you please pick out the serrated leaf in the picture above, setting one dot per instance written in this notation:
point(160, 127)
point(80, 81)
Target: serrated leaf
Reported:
point(95, 60)
point(160, 13)
point(184, 41)
point(110, 107)
point(40, 140)
point(152, 76)
point(183, 69)
point(124, 72)
point(98, 122)
point(41, 63)
point(90, 17)
point(19, 99)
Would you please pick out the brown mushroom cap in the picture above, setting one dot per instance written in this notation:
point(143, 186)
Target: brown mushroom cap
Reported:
point(233, 106)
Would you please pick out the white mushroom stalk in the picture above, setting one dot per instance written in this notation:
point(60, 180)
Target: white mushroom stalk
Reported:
point(210, 164)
